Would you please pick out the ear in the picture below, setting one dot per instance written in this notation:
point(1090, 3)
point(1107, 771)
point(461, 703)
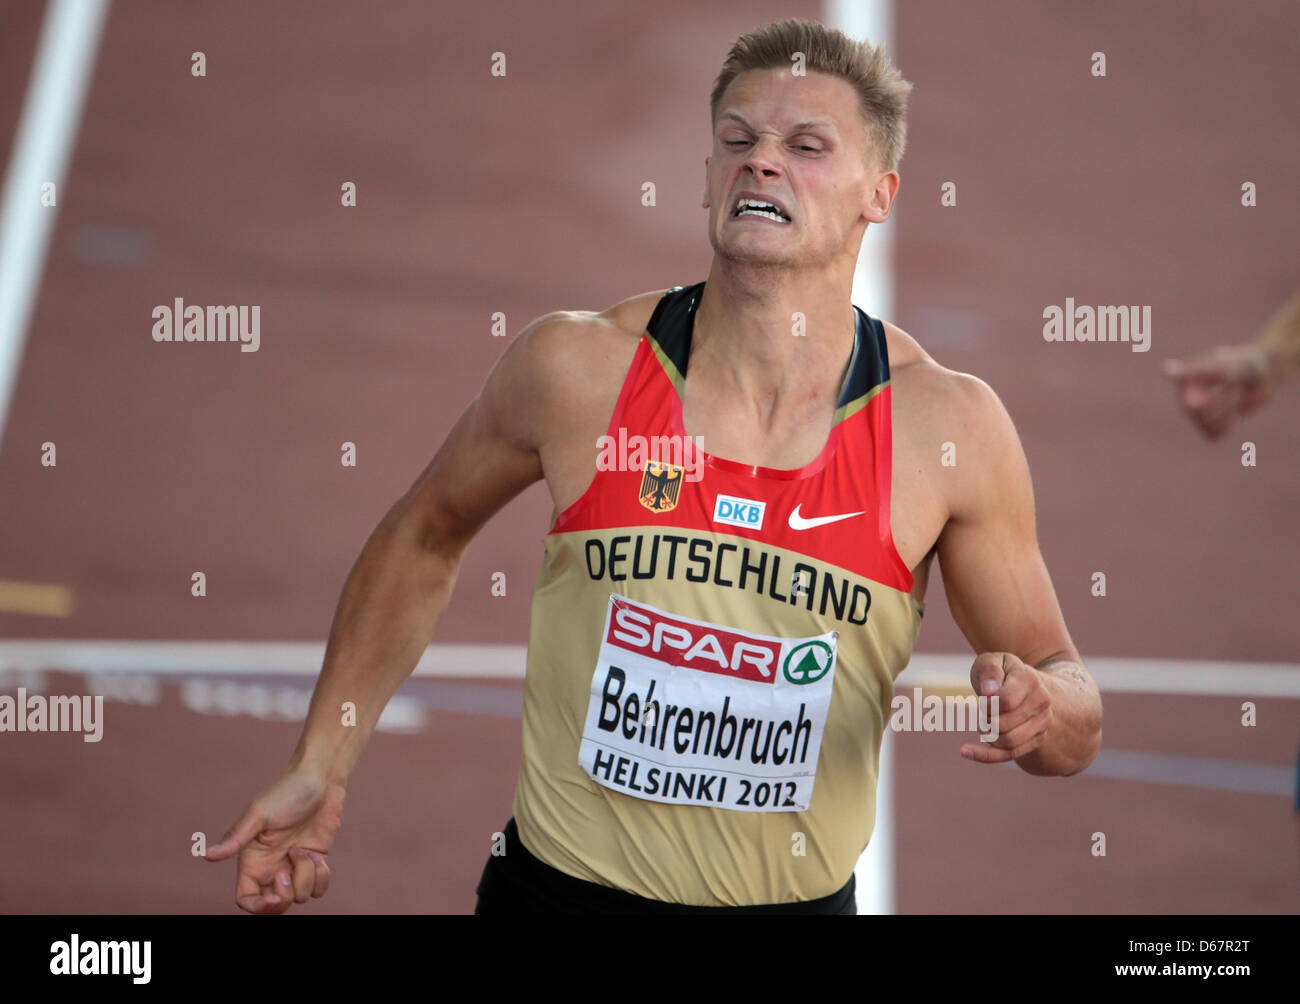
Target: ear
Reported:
point(880, 199)
point(705, 203)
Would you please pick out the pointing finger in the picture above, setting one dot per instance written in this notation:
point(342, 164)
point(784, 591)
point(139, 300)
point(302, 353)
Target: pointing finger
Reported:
point(248, 827)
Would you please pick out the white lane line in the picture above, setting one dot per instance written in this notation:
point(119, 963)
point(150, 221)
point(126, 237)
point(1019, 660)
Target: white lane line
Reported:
point(190, 658)
point(65, 56)
point(283, 697)
point(1183, 677)
point(1193, 772)
point(1187, 678)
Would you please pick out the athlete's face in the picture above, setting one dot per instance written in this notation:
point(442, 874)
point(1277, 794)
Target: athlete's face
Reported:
point(801, 143)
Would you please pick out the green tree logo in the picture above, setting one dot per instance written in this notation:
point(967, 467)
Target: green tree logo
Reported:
point(808, 663)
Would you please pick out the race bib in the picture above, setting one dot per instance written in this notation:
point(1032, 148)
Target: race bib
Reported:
point(692, 713)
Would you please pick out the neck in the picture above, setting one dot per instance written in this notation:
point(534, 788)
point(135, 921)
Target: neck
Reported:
point(747, 336)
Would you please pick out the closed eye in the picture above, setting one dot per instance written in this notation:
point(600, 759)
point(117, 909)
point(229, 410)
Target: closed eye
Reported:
point(742, 142)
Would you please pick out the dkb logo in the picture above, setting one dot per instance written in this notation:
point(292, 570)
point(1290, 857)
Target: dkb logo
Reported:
point(739, 512)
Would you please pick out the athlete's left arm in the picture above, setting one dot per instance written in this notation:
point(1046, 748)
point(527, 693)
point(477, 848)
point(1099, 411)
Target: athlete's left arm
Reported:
point(1001, 596)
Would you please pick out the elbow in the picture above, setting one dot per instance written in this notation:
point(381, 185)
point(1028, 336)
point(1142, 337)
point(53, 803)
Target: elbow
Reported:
point(1091, 746)
point(1088, 742)
point(430, 532)
point(1064, 762)
point(1086, 760)
point(438, 544)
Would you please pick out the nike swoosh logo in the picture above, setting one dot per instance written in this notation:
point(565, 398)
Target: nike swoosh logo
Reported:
point(798, 522)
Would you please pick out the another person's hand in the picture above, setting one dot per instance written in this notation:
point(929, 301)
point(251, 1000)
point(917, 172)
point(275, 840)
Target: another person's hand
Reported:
point(1219, 385)
point(282, 840)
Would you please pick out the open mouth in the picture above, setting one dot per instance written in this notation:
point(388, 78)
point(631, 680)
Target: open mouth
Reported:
point(763, 210)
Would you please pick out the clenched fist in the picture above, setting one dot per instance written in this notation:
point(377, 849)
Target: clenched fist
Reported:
point(1024, 707)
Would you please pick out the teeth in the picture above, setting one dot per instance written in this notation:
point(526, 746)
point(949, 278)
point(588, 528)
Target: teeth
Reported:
point(752, 206)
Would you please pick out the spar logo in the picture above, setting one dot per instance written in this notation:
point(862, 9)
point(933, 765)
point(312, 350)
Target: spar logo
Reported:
point(691, 645)
point(808, 663)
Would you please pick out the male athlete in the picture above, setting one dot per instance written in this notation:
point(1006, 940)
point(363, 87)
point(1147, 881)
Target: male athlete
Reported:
point(711, 658)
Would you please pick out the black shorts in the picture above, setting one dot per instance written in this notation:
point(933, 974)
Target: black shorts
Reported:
point(516, 882)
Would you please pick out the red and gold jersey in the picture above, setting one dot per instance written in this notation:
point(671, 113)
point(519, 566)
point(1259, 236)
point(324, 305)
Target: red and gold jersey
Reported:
point(713, 649)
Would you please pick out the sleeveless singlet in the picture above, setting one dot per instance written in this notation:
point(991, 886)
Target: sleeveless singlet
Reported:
point(713, 648)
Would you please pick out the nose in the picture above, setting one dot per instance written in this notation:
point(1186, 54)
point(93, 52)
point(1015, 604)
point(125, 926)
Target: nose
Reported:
point(761, 160)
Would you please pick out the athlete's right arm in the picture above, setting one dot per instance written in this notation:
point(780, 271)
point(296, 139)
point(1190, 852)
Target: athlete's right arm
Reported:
point(389, 608)
point(403, 579)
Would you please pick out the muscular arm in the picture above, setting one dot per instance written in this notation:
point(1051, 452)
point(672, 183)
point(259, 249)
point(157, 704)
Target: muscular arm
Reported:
point(397, 591)
point(403, 579)
point(998, 587)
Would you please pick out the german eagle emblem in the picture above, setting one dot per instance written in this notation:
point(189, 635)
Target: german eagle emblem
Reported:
point(660, 486)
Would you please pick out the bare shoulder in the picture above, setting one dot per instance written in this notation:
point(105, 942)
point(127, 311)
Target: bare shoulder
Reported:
point(633, 314)
point(566, 366)
point(925, 390)
point(580, 351)
point(954, 435)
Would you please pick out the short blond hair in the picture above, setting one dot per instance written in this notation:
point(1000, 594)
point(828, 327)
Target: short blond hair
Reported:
point(882, 91)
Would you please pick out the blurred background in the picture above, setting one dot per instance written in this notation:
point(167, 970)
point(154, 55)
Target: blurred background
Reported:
point(521, 194)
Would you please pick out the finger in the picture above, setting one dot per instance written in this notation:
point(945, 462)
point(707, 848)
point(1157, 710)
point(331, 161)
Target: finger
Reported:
point(322, 874)
point(1209, 421)
point(1021, 698)
point(276, 896)
point(1215, 428)
point(1223, 396)
point(1198, 395)
point(1173, 368)
point(988, 672)
point(1208, 367)
point(253, 896)
point(1206, 426)
point(276, 903)
point(249, 826)
point(985, 754)
point(259, 904)
point(284, 880)
point(1018, 736)
point(1215, 419)
point(304, 875)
